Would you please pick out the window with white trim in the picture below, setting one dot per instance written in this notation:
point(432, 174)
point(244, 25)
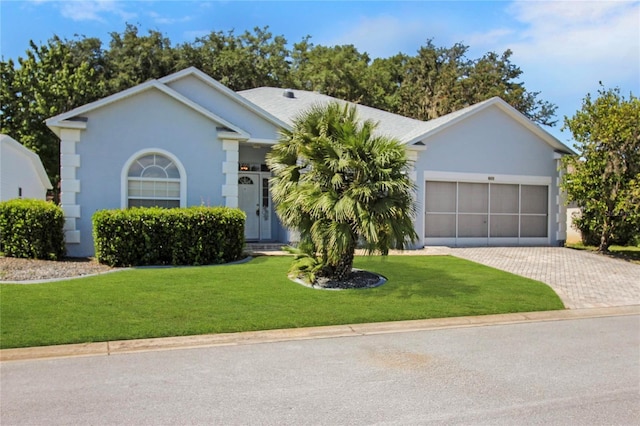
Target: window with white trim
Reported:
point(153, 180)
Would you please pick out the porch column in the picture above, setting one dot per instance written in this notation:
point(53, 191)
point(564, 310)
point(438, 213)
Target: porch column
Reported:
point(230, 171)
point(69, 183)
point(561, 201)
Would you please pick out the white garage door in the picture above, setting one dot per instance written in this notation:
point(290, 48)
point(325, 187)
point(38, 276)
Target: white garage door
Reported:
point(465, 213)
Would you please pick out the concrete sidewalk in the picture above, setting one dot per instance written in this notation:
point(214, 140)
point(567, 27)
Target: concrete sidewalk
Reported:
point(255, 337)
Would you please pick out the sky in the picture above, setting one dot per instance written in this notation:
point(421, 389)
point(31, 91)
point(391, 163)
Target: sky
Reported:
point(564, 48)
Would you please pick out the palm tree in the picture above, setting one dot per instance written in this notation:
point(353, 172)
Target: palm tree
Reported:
point(340, 185)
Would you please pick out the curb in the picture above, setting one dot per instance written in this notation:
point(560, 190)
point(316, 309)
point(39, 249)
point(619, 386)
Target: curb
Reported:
point(283, 335)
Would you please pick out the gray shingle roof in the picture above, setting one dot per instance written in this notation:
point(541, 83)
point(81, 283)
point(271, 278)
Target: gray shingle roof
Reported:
point(407, 130)
point(287, 109)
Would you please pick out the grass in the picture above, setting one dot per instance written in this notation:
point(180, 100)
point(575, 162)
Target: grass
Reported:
point(144, 303)
point(628, 253)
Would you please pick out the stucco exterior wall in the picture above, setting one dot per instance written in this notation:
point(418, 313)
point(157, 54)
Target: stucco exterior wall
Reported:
point(147, 121)
point(216, 102)
point(17, 171)
point(489, 143)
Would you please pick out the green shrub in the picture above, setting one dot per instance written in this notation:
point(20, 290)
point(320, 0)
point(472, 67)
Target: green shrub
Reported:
point(625, 233)
point(31, 229)
point(155, 236)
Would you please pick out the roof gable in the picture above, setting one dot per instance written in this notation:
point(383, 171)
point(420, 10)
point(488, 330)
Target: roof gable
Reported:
point(441, 123)
point(66, 119)
point(234, 96)
point(6, 140)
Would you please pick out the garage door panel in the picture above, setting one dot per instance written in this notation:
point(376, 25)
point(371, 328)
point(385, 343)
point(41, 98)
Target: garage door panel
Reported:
point(472, 225)
point(503, 226)
point(440, 225)
point(534, 199)
point(473, 197)
point(504, 198)
point(533, 226)
point(441, 197)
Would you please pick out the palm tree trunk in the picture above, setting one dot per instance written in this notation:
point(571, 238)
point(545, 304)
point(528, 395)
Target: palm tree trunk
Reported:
point(344, 266)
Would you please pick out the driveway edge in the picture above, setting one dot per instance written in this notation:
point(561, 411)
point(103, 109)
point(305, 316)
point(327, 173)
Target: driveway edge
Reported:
point(323, 332)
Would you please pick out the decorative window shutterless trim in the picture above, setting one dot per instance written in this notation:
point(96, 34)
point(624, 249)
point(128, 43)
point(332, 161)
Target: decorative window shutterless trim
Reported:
point(153, 178)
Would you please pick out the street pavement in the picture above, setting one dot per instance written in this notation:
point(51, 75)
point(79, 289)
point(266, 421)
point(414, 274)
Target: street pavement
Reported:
point(570, 372)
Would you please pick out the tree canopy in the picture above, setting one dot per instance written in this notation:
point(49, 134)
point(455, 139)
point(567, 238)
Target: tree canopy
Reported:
point(62, 74)
point(339, 185)
point(604, 180)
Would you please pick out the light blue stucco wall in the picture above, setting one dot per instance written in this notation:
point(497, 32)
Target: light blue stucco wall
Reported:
point(150, 119)
point(492, 143)
point(224, 107)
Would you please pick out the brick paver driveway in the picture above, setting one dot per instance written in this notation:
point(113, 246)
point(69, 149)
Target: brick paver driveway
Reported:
point(581, 279)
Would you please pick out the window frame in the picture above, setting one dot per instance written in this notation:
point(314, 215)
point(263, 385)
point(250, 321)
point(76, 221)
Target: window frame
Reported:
point(124, 175)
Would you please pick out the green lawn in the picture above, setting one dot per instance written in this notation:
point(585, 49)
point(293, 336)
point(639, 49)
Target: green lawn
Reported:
point(628, 253)
point(256, 295)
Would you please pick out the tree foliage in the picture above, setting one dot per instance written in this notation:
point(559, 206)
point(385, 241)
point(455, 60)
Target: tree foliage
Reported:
point(242, 61)
point(61, 74)
point(604, 180)
point(133, 59)
point(339, 184)
point(50, 80)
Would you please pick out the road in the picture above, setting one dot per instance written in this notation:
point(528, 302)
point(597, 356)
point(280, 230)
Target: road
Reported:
point(571, 372)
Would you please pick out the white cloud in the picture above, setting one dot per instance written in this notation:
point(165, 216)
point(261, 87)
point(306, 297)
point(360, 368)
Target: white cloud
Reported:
point(573, 43)
point(489, 38)
point(602, 39)
point(92, 10)
point(565, 48)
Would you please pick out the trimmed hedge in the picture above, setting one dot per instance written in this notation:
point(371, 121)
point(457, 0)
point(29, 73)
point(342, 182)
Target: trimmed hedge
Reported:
point(32, 229)
point(156, 236)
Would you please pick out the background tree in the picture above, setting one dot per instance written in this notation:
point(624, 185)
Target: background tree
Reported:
point(51, 79)
point(604, 179)
point(338, 183)
point(430, 88)
point(440, 80)
point(338, 71)
point(60, 75)
point(252, 59)
point(133, 59)
point(384, 81)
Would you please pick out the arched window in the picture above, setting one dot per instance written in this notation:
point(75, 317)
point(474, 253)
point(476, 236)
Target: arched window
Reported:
point(154, 180)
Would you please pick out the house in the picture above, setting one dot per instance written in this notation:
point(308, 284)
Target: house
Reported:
point(21, 172)
point(485, 175)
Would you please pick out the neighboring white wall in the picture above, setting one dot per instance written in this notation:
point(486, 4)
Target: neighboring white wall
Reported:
point(573, 235)
point(20, 171)
point(489, 143)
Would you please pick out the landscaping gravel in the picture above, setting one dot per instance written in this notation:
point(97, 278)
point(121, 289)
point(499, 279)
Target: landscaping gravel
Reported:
point(13, 269)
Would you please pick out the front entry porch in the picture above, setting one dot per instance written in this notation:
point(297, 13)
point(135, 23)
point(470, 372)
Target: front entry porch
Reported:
point(254, 200)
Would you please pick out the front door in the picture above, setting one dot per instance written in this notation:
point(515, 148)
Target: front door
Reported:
point(249, 202)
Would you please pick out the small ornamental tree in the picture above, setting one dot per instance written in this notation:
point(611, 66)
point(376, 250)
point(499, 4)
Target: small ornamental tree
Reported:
point(341, 185)
point(604, 179)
